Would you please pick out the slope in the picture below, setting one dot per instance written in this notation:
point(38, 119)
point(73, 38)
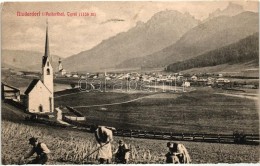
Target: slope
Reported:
point(240, 52)
point(25, 60)
point(145, 38)
point(213, 34)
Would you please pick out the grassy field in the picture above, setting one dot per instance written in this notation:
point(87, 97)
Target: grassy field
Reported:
point(72, 147)
point(198, 111)
point(96, 98)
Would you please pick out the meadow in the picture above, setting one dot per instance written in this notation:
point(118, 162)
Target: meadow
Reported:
point(201, 111)
point(72, 147)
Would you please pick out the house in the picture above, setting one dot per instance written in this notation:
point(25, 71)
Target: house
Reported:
point(194, 78)
point(39, 94)
point(75, 76)
point(10, 92)
point(83, 76)
point(186, 84)
point(68, 75)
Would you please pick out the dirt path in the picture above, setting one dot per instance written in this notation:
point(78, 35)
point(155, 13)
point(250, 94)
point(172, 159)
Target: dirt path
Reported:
point(246, 96)
point(124, 102)
point(70, 94)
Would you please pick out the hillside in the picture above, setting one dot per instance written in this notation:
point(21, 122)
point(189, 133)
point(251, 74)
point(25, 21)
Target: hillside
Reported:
point(210, 35)
point(72, 147)
point(25, 60)
point(240, 52)
point(162, 30)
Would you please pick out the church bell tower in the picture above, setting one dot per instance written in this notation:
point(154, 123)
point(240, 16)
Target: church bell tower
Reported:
point(47, 69)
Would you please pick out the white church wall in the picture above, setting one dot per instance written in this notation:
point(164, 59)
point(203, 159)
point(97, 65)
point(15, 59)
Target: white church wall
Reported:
point(39, 97)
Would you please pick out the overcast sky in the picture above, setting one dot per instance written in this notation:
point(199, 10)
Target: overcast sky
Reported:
point(71, 35)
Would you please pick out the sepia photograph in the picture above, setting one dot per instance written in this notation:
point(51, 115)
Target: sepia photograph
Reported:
point(135, 82)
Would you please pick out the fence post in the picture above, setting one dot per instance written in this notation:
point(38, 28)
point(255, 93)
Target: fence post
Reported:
point(171, 135)
point(130, 133)
point(153, 134)
point(218, 138)
point(182, 136)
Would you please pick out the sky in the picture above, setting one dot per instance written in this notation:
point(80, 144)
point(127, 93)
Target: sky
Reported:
point(69, 35)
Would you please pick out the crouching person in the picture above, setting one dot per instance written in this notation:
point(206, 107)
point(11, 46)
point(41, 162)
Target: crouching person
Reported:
point(177, 154)
point(40, 149)
point(122, 153)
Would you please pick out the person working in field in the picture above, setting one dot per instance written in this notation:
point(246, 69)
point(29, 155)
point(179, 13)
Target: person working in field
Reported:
point(122, 153)
point(104, 137)
point(40, 149)
point(177, 154)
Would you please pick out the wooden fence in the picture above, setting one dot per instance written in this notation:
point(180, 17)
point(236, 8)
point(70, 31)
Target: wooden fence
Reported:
point(238, 138)
point(75, 112)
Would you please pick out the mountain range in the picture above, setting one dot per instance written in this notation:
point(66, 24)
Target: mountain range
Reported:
point(245, 50)
point(168, 37)
point(25, 60)
point(162, 30)
point(210, 35)
point(231, 10)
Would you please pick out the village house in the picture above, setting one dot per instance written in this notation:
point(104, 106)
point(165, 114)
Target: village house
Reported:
point(10, 92)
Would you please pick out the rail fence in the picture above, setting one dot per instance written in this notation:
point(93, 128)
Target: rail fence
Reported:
point(75, 112)
point(238, 138)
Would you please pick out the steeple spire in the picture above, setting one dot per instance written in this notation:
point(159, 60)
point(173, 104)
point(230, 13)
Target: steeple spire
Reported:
point(47, 50)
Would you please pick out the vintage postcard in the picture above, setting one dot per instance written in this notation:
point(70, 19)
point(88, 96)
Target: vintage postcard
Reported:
point(130, 82)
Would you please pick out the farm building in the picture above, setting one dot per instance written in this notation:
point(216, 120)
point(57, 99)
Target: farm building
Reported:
point(39, 94)
point(10, 92)
point(186, 84)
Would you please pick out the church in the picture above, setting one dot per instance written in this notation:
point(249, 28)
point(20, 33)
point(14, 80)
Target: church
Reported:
point(61, 71)
point(39, 94)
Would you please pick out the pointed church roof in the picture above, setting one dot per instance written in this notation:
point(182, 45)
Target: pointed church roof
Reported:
point(47, 49)
point(32, 85)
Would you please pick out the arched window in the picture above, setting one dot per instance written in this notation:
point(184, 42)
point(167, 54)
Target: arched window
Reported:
point(40, 108)
point(47, 63)
point(48, 71)
point(50, 99)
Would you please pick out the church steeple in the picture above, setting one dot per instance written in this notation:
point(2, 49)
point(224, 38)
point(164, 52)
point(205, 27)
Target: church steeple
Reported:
point(47, 70)
point(60, 65)
point(47, 49)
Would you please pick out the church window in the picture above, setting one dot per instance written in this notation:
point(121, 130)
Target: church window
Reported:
point(50, 99)
point(47, 63)
point(40, 108)
point(48, 71)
